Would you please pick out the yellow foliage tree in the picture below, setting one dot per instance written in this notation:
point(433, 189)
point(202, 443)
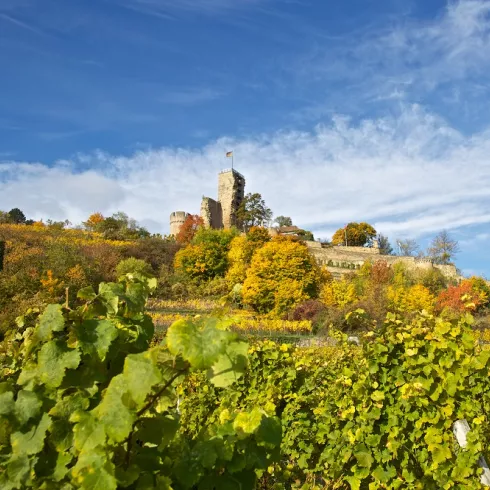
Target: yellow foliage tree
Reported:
point(413, 298)
point(338, 293)
point(281, 275)
point(93, 220)
point(241, 252)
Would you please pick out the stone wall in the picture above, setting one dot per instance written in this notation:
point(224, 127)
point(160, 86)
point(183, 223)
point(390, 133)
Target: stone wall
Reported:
point(177, 219)
point(342, 260)
point(231, 191)
point(211, 213)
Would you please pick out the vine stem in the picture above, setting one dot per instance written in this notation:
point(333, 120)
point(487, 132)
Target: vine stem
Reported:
point(151, 401)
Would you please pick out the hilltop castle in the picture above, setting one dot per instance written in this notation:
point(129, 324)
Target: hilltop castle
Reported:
point(339, 260)
point(220, 213)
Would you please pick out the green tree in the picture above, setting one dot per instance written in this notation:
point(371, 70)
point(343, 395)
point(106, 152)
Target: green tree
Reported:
point(207, 255)
point(284, 221)
point(253, 212)
point(384, 244)
point(354, 235)
point(16, 216)
point(443, 248)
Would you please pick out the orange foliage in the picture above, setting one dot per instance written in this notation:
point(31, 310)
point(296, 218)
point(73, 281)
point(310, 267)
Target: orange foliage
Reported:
point(189, 229)
point(464, 297)
point(93, 220)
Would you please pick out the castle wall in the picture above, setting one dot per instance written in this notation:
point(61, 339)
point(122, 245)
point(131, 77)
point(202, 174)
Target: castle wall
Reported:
point(342, 260)
point(231, 191)
point(211, 213)
point(177, 219)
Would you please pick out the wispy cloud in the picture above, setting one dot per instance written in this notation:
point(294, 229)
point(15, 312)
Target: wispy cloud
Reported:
point(410, 175)
point(190, 96)
point(19, 23)
point(408, 60)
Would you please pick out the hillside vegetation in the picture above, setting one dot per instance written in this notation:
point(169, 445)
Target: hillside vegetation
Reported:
point(240, 371)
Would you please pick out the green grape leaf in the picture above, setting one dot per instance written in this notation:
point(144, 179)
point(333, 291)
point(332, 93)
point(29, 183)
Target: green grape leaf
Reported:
point(50, 321)
point(6, 403)
point(141, 374)
point(88, 293)
point(354, 482)
point(18, 469)
point(230, 365)
point(364, 458)
point(27, 406)
point(94, 471)
point(62, 461)
point(94, 337)
point(109, 294)
point(269, 431)
point(113, 413)
point(31, 442)
point(88, 432)
point(200, 343)
point(53, 360)
point(70, 404)
point(158, 430)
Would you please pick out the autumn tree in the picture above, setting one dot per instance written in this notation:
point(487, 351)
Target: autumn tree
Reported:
point(189, 229)
point(241, 252)
point(206, 257)
point(253, 212)
point(443, 248)
point(282, 274)
point(283, 221)
point(354, 235)
point(407, 247)
point(93, 221)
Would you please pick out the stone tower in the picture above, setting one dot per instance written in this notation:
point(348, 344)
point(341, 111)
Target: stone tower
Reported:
point(231, 191)
point(177, 219)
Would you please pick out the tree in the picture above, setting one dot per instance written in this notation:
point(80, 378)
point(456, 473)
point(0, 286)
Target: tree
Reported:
point(282, 275)
point(443, 248)
point(306, 235)
point(93, 221)
point(206, 257)
point(242, 249)
point(284, 221)
point(356, 234)
point(189, 229)
point(253, 212)
point(16, 216)
point(407, 247)
point(384, 244)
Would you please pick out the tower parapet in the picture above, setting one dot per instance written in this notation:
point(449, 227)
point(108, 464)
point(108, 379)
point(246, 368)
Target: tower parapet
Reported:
point(177, 219)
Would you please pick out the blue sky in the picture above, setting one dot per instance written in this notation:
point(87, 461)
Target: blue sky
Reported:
point(374, 110)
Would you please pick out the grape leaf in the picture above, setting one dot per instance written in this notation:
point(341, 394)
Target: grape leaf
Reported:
point(113, 413)
point(88, 433)
point(94, 471)
point(230, 365)
point(199, 343)
point(141, 374)
point(31, 442)
point(50, 321)
point(53, 360)
point(27, 406)
point(6, 402)
point(94, 337)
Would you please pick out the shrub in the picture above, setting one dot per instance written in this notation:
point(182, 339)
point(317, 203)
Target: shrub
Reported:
point(133, 265)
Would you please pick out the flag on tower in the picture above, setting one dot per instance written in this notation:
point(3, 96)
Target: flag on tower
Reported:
point(229, 153)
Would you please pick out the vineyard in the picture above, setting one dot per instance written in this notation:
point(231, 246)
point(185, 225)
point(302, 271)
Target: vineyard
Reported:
point(234, 362)
point(89, 401)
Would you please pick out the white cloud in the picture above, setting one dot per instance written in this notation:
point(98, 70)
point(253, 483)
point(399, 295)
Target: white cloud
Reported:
point(410, 175)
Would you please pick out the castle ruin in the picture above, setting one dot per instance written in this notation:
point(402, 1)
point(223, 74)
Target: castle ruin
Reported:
point(220, 213)
point(177, 219)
